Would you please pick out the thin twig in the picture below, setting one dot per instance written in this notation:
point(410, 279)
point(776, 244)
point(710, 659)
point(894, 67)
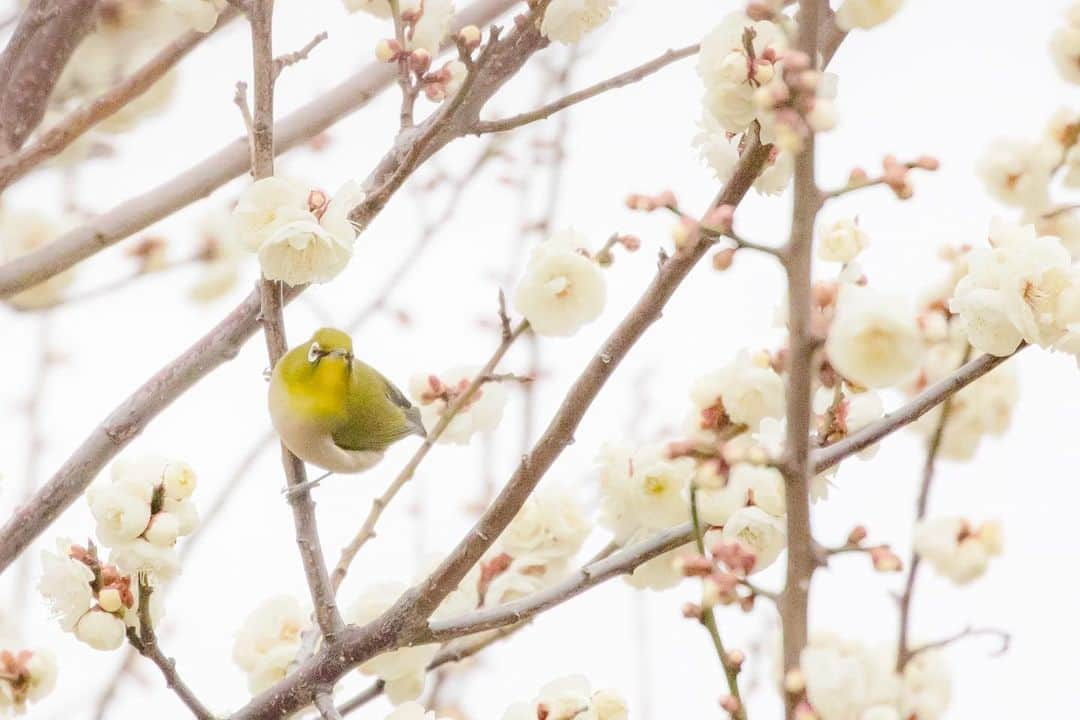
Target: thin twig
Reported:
point(621, 80)
point(903, 654)
point(708, 620)
point(379, 504)
point(284, 61)
point(1004, 637)
point(145, 641)
point(324, 703)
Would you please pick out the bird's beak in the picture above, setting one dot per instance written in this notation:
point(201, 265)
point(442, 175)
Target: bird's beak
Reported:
point(416, 425)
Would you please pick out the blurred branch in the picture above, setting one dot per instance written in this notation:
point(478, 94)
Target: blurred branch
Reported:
point(47, 34)
point(203, 178)
point(74, 125)
point(622, 80)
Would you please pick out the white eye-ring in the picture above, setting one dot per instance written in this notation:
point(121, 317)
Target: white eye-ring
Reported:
point(315, 353)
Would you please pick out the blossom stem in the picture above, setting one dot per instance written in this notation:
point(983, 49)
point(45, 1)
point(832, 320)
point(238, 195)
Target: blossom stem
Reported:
point(708, 619)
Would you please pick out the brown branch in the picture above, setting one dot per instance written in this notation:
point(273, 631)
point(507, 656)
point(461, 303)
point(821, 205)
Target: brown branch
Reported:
point(795, 465)
point(621, 80)
point(74, 125)
point(924, 402)
point(40, 48)
point(272, 309)
point(145, 641)
point(1003, 636)
point(324, 703)
point(284, 61)
point(379, 504)
point(203, 178)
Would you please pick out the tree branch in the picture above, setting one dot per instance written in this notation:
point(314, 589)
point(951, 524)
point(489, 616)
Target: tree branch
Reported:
point(621, 80)
point(203, 178)
point(54, 140)
point(145, 641)
point(41, 46)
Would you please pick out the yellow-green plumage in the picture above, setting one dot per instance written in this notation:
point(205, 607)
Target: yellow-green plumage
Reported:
point(335, 411)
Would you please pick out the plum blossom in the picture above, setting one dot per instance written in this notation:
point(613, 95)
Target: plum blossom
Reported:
point(378, 8)
point(744, 392)
point(570, 698)
point(955, 549)
point(268, 641)
point(435, 393)
point(1065, 45)
point(433, 24)
point(747, 483)
point(1022, 288)
point(1018, 173)
point(25, 676)
point(865, 14)
point(567, 21)
point(300, 235)
point(199, 15)
point(551, 524)
point(21, 232)
point(66, 585)
point(874, 340)
point(758, 532)
point(562, 289)
point(841, 241)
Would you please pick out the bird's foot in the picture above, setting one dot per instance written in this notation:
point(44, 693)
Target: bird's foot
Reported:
point(290, 492)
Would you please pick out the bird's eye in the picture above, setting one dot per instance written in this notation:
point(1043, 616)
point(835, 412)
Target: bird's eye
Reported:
point(315, 353)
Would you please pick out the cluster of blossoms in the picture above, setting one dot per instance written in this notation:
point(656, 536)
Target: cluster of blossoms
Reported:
point(570, 698)
point(199, 15)
point(25, 676)
point(841, 679)
point(301, 235)
point(139, 515)
point(532, 553)
point(435, 393)
point(957, 550)
point(563, 287)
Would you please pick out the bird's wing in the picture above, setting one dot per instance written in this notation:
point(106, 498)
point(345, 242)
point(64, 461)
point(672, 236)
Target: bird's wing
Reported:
point(372, 425)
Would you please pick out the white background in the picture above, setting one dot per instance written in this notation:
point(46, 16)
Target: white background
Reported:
point(942, 78)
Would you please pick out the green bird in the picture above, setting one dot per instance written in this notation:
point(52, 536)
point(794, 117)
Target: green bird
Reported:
point(335, 411)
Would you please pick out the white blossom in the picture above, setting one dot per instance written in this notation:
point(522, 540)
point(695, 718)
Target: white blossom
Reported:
point(845, 680)
point(759, 532)
point(874, 339)
point(570, 698)
point(185, 512)
point(22, 232)
point(221, 257)
point(926, 686)
point(762, 483)
point(729, 76)
point(1018, 173)
point(434, 393)
point(141, 555)
point(65, 585)
point(551, 525)
point(101, 630)
point(567, 21)
point(43, 672)
point(1065, 46)
point(200, 15)
point(643, 489)
point(268, 641)
point(163, 530)
point(178, 480)
point(433, 25)
point(378, 8)
point(744, 392)
point(841, 241)
point(865, 13)
point(562, 289)
point(955, 549)
point(1015, 289)
point(121, 517)
point(299, 235)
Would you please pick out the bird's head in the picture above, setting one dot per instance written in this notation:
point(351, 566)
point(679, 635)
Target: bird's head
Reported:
point(330, 345)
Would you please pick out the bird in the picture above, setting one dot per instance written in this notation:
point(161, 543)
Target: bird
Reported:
point(334, 411)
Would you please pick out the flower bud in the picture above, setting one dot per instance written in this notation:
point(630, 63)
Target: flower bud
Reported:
point(794, 681)
point(730, 703)
point(101, 630)
point(109, 599)
point(419, 61)
point(178, 480)
point(856, 536)
point(723, 259)
point(469, 36)
point(387, 50)
point(885, 560)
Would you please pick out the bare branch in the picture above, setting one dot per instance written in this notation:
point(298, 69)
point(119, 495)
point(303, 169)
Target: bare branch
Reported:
point(284, 61)
point(379, 504)
point(44, 40)
point(324, 703)
point(145, 641)
point(203, 178)
point(54, 140)
point(622, 80)
point(1001, 635)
